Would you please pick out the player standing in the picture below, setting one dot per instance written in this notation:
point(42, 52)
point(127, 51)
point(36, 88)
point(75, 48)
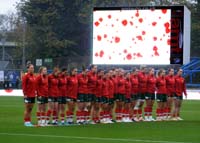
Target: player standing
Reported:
point(29, 90)
point(42, 95)
point(180, 88)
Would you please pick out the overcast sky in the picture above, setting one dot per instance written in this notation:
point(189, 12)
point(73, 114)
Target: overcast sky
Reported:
point(7, 6)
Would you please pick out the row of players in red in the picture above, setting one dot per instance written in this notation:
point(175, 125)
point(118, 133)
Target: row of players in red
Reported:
point(94, 92)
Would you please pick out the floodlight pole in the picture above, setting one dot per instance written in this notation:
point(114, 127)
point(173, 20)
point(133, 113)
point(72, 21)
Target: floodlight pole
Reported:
point(23, 45)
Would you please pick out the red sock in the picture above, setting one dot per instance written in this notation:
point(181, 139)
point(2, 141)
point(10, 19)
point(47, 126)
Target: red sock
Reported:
point(27, 119)
point(62, 115)
point(135, 112)
point(145, 111)
point(140, 112)
point(38, 115)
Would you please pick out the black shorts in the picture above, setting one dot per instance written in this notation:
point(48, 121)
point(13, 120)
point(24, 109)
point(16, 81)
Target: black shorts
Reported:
point(62, 100)
point(91, 98)
point(128, 100)
point(42, 100)
point(120, 97)
point(150, 96)
point(161, 98)
point(104, 100)
point(69, 99)
point(29, 100)
point(178, 97)
point(98, 99)
point(111, 101)
point(82, 97)
point(134, 97)
point(52, 99)
point(141, 96)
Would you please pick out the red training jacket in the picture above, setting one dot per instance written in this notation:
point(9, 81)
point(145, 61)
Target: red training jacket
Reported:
point(134, 84)
point(42, 85)
point(82, 84)
point(99, 87)
point(128, 88)
point(62, 85)
point(92, 79)
point(170, 84)
point(161, 85)
point(105, 88)
point(142, 78)
point(151, 84)
point(53, 85)
point(180, 86)
point(72, 84)
point(121, 85)
point(29, 85)
point(111, 88)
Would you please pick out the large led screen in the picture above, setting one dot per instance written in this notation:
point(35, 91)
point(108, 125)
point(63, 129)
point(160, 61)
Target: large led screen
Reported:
point(131, 36)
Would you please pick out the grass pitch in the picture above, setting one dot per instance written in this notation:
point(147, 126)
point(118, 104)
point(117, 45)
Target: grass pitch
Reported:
point(12, 129)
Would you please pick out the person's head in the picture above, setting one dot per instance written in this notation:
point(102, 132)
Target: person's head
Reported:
point(64, 71)
point(43, 70)
point(179, 72)
point(73, 71)
point(115, 72)
point(151, 71)
point(143, 68)
point(30, 68)
point(135, 71)
point(111, 73)
point(121, 72)
point(161, 73)
point(127, 75)
point(56, 71)
point(100, 72)
point(93, 68)
point(84, 70)
point(171, 71)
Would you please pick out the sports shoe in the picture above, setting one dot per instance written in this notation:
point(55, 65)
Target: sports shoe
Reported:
point(28, 124)
point(174, 119)
point(141, 119)
point(179, 118)
point(151, 118)
point(136, 119)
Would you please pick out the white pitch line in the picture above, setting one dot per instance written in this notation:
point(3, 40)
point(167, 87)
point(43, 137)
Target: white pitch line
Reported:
point(90, 138)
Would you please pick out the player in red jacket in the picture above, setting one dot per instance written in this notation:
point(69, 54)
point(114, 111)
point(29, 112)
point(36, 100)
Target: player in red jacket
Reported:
point(111, 96)
point(126, 111)
point(134, 94)
point(92, 81)
point(120, 99)
point(53, 80)
point(72, 92)
point(97, 104)
point(142, 78)
point(170, 85)
point(29, 90)
point(150, 96)
point(180, 89)
point(161, 95)
point(104, 114)
point(42, 95)
point(62, 86)
point(82, 96)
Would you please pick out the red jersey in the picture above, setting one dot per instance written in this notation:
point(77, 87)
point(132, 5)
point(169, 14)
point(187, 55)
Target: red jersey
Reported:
point(134, 84)
point(170, 85)
point(128, 88)
point(42, 85)
point(82, 84)
point(105, 88)
point(161, 85)
point(99, 87)
point(180, 86)
point(62, 85)
point(121, 85)
point(72, 87)
point(111, 88)
point(142, 78)
point(29, 85)
point(115, 82)
point(92, 79)
point(53, 85)
point(151, 84)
